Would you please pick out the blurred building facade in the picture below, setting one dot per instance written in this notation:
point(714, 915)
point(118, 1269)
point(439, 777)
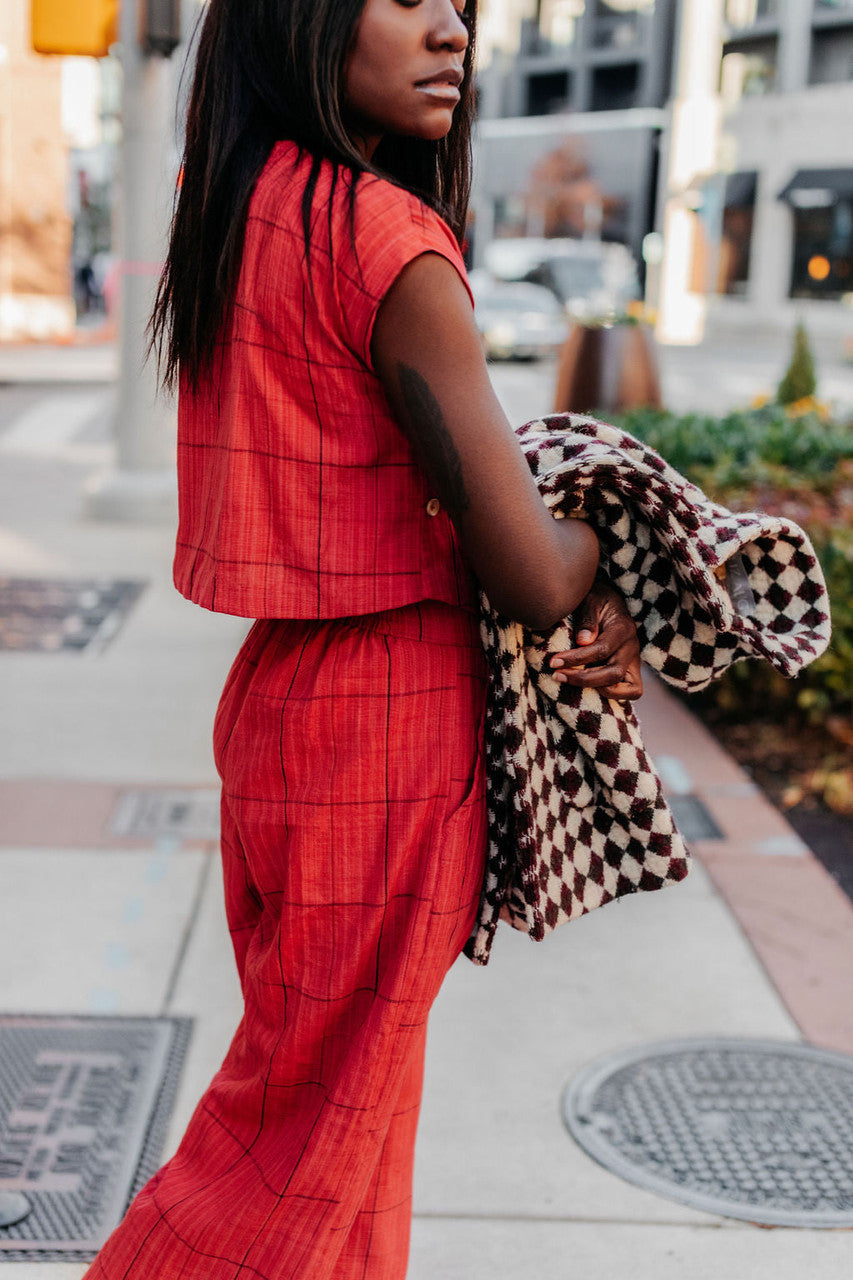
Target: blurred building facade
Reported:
point(779, 212)
point(572, 97)
point(724, 123)
point(35, 224)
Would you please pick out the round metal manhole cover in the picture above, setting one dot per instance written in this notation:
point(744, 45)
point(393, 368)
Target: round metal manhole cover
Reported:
point(751, 1129)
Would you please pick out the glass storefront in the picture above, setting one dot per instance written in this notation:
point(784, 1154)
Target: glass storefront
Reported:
point(832, 55)
point(619, 24)
point(738, 216)
point(823, 250)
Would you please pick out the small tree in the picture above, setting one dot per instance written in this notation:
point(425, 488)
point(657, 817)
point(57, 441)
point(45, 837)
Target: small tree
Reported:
point(799, 381)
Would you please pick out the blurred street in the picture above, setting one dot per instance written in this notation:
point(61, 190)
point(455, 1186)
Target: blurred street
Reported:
point(726, 371)
point(715, 377)
point(133, 924)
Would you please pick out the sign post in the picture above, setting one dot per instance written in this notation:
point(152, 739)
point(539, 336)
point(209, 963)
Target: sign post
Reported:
point(142, 486)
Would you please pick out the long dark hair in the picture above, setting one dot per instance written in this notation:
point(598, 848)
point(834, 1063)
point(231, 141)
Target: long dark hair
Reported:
point(267, 70)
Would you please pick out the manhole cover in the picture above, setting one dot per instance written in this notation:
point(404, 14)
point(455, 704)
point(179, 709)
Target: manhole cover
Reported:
point(749, 1129)
point(44, 616)
point(191, 814)
point(84, 1104)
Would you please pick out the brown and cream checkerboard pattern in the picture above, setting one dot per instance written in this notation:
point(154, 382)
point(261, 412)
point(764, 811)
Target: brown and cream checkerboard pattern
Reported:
point(577, 815)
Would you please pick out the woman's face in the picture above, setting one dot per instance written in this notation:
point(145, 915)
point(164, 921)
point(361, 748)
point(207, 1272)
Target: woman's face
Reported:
point(404, 69)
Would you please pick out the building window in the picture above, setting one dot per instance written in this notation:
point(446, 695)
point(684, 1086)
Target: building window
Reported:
point(736, 234)
point(745, 13)
point(832, 55)
point(832, 6)
point(615, 88)
point(557, 23)
point(823, 251)
point(618, 24)
point(748, 69)
point(547, 92)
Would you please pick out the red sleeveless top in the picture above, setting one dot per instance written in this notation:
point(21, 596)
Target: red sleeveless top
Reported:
point(299, 496)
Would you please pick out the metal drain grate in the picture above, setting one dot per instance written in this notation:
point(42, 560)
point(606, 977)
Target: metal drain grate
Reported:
point(693, 818)
point(41, 615)
point(84, 1104)
point(748, 1129)
point(191, 814)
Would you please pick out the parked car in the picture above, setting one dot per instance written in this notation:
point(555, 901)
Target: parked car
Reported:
point(517, 321)
point(591, 278)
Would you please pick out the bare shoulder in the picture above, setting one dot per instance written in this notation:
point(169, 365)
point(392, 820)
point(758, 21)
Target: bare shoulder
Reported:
point(427, 312)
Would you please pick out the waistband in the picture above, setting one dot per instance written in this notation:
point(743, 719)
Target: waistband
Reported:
point(433, 621)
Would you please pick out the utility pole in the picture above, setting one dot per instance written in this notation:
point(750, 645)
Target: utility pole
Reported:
point(692, 156)
point(142, 487)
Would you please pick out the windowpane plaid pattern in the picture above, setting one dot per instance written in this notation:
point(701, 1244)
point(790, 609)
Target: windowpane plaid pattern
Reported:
point(299, 494)
point(353, 841)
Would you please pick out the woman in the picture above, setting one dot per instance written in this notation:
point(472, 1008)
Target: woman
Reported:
point(346, 476)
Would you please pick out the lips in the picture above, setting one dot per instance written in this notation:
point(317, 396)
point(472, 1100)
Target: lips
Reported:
point(450, 77)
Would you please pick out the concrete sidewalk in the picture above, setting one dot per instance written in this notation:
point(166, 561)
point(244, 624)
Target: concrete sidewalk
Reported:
point(758, 942)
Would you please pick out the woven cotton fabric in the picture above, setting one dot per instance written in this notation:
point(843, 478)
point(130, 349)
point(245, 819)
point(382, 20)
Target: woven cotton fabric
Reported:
point(353, 843)
point(577, 815)
point(299, 494)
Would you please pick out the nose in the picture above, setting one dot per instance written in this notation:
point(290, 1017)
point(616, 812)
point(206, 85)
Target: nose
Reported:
point(448, 31)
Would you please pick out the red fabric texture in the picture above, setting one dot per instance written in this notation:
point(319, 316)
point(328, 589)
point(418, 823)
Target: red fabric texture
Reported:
point(299, 494)
point(353, 836)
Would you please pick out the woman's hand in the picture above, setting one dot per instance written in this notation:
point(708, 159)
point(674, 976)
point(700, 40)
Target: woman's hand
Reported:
point(608, 654)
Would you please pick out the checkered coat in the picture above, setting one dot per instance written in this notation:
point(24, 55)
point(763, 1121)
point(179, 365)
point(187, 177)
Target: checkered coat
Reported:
point(576, 811)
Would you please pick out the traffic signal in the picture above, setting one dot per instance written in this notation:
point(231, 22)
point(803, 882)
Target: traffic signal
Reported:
point(83, 27)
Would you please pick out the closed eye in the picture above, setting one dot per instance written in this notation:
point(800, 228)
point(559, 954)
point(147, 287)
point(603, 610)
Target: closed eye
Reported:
point(462, 13)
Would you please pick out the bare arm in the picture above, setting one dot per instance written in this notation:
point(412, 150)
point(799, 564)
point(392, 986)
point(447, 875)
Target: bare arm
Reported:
point(428, 354)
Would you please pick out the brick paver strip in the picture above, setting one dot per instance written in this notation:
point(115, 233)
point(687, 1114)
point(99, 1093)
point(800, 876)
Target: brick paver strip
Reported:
point(797, 919)
point(44, 813)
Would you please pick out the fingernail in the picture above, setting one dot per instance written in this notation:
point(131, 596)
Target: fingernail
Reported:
point(556, 662)
point(584, 636)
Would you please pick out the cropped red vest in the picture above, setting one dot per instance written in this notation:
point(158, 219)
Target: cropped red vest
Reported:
point(299, 495)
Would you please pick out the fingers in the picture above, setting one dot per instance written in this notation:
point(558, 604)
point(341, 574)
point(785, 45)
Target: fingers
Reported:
point(587, 621)
point(618, 680)
point(593, 677)
point(600, 650)
point(604, 649)
point(625, 691)
point(606, 655)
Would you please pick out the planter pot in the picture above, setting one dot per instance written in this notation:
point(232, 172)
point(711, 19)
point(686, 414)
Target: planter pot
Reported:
point(607, 370)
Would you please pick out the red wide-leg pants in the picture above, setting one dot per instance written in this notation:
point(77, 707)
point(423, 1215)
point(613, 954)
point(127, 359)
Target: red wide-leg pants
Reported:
point(353, 840)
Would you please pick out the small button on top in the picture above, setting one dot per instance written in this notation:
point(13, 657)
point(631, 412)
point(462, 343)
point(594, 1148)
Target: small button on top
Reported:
point(433, 507)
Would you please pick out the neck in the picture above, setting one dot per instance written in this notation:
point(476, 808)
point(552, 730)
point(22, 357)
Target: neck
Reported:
point(364, 140)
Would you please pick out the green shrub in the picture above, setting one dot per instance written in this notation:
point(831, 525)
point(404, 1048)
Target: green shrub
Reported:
point(747, 447)
point(799, 382)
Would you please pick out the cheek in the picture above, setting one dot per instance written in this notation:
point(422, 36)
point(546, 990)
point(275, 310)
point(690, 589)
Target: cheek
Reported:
point(365, 77)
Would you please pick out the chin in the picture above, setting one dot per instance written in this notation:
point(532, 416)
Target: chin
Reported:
point(432, 130)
